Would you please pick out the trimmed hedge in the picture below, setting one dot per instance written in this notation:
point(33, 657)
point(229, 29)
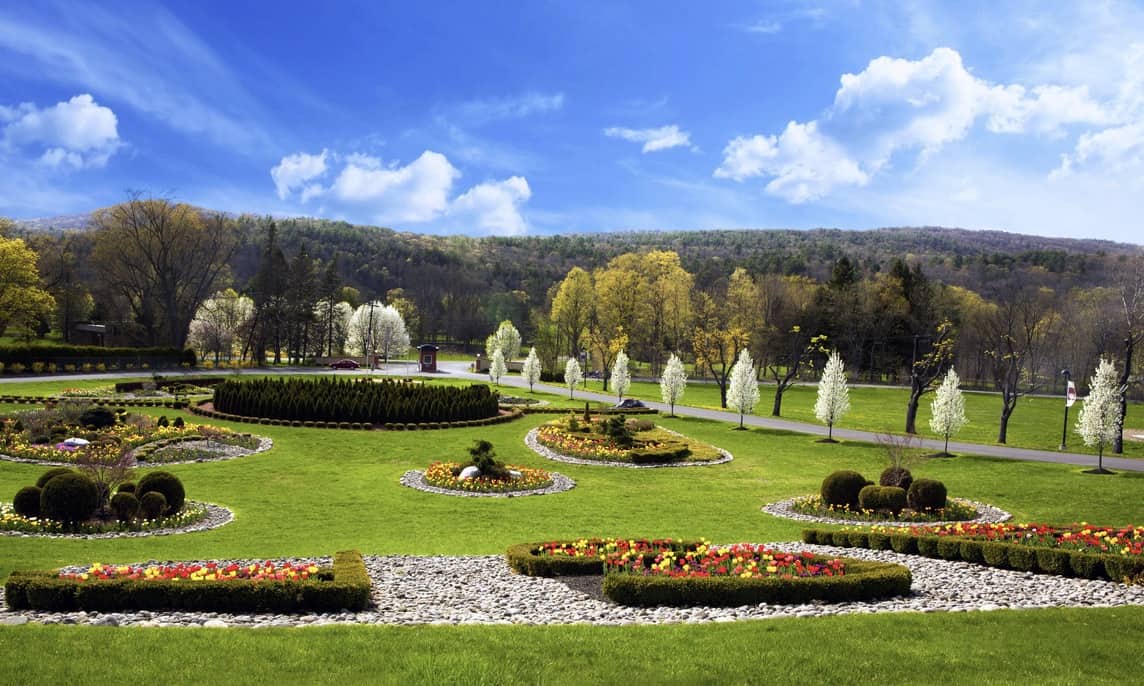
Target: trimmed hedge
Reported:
point(514, 413)
point(999, 554)
point(522, 559)
point(349, 589)
point(78, 355)
point(862, 581)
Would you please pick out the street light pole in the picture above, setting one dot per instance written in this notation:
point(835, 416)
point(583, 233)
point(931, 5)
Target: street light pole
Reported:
point(1065, 427)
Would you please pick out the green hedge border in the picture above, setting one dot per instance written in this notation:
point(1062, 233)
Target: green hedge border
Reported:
point(94, 400)
point(998, 554)
point(347, 588)
point(578, 412)
point(355, 426)
point(522, 559)
point(862, 581)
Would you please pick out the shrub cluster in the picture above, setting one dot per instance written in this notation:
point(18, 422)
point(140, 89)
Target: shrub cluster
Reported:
point(355, 401)
point(29, 355)
point(926, 494)
point(898, 489)
point(71, 497)
point(889, 498)
point(841, 489)
point(347, 588)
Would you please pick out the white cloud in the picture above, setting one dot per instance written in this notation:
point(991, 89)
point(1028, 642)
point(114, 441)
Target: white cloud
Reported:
point(896, 105)
point(76, 134)
point(293, 171)
point(1117, 150)
point(805, 164)
point(662, 138)
point(481, 111)
point(416, 192)
point(495, 206)
point(764, 27)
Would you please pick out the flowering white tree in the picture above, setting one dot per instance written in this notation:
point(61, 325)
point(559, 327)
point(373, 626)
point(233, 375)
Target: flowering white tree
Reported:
point(833, 394)
point(497, 369)
point(219, 322)
point(333, 326)
point(743, 391)
point(507, 338)
point(621, 377)
point(531, 369)
point(572, 375)
point(673, 382)
point(1098, 422)
point(948, 408)
point(375, 327)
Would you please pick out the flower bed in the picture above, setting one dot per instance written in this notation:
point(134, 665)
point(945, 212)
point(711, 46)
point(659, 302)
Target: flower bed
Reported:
point(1079, 550)
point(205, 587)
point(440, 474)
point(205, 445)
point(648, 444)
point(666, 572)
point(192, 513)
point(954, 511)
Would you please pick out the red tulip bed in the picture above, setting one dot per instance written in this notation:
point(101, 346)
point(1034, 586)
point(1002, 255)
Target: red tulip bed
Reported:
point(669, 572)
point(1082, 550)
point(267, 586)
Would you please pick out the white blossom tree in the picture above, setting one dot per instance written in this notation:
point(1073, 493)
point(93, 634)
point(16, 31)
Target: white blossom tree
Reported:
point(219, 323)
point(621, 376)
point(948, 408)
point(507, 338)
point(833, 394)
point(497, 368)
point(673, 382)
point(375, 327)
point(743, 391)
point(1098, 422)
point(531, 369)
point(572, 375)
point(333, 326)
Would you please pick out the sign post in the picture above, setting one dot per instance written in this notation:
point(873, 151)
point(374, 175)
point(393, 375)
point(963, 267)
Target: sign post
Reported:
point(1070, 398)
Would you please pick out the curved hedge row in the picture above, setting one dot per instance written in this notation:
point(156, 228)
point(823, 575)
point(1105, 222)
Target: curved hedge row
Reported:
point(346, 588)
point(522, 559)
point(354, 400)
point(1002, 555)
point(355, 426)
point(862, 581)
point(95, 400)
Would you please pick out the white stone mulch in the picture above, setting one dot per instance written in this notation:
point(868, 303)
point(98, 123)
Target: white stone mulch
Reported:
point(986, 514)
point(530, 439)
point(411, 590)
point(221, 451)
point(416, 479)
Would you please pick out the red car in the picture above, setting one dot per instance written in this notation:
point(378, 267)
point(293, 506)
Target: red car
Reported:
point(344, 364)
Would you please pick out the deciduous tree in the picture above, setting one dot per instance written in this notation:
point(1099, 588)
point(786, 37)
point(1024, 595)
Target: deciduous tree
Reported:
point(833, 395)
point(22, 301)
point(621, 375)
point(673, 382)
point(1098, 422)
point(572, 375)
point(497, 368)
point(531, 370)
point(743, 394)
point(948, 408)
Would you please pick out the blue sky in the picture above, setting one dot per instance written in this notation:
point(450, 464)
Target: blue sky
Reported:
point(545, 117)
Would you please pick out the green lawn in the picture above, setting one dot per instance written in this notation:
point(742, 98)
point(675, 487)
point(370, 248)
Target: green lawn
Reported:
point(320, 490)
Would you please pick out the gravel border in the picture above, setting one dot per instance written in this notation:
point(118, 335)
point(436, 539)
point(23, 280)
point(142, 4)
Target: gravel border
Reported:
point(986, 514)
point(533, 444)
point(225, 452)
point(217, 516)
point(413, 590)
point(416, 479)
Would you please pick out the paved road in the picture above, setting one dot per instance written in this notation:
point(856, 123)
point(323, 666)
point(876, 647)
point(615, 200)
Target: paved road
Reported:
point(461, 370)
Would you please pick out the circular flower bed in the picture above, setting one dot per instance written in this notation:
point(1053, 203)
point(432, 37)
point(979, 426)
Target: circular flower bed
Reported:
point(194, 516)
point(650, 446)
point(810, 508)
point(447, 475)
point(416, 479)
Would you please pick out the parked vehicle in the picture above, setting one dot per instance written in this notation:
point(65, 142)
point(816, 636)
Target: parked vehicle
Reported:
point(344, 364)
point(630, 403)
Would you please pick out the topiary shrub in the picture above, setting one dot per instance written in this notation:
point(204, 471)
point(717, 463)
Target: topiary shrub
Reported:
point(926, 494)
point(882, 498)
point(163, 421)
point(896, 476)
point(97, 418)
point(53, 473)
point(125, 506)
point(166, 483)
point(69, 498)
point(153, 504)
point(126, 487)
point(841, 488)
point(178, 423)
point(27, 501)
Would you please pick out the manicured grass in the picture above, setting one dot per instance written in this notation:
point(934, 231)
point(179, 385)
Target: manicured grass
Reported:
point(1031, 647)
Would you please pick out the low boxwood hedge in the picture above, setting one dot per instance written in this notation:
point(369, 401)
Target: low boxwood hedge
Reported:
point(514, 413)
point(347, 588)
point(523, 559)
point(862, 581)
point(999, 554)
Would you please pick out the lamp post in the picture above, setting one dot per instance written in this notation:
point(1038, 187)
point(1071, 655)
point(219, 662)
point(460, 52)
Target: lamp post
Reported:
point(1065, 427)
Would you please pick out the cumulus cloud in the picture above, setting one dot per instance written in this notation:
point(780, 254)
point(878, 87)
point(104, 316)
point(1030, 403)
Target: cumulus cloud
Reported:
point(416, 192)
point(294, 171)
point(1116, 149)
point(76, 134)
point(804, 164)
point(898, 105)
point(662, 138)
point(495, 206)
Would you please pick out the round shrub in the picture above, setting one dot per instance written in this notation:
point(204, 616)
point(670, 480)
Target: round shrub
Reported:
point(69, 498)
point(841, 488)
point(153, 504)
point(97, 418)
point(882, 498)
point(125, 506)
point(27, 501)
point(896, 476)
point(926, 494)
point(126, 487)
point(166, 483)
point(53, 473)
point(178, 423)
point(894, 499)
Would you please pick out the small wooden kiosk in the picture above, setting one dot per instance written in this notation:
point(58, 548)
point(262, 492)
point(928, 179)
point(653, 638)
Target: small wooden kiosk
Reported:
point(427, 356)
